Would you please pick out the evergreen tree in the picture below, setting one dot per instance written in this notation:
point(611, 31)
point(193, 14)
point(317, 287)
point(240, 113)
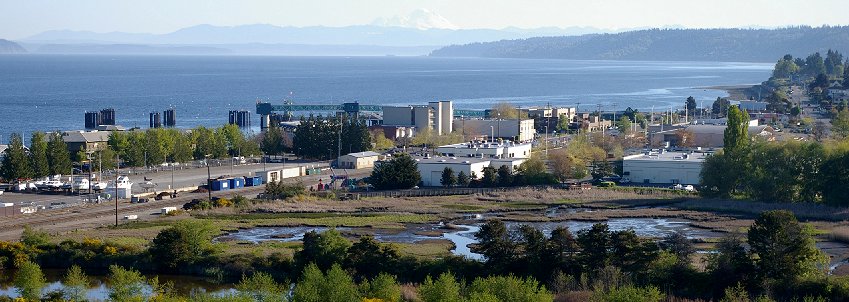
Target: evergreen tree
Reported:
point(401, 172)
point(58, 155)
point(490, 177)
point(75, 284)
point(846, 77)
point(690, 106)
point(272, 141)
point(505, 178)
point(38, 155)
point(783, 249)
point(16, 163)
point(462, 179)
point(720, 107)
point(595, 244)
point(29, 281)
point(448, 179)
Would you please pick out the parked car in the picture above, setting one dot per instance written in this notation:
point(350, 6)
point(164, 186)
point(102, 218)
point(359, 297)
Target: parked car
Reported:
point(606, 184)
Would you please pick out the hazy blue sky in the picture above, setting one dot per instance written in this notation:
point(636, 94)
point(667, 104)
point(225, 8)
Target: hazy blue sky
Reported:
point(22, 18)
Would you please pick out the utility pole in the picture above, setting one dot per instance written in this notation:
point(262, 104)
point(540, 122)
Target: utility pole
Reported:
point(117, 168)
point(208, 178)
point(339, 141)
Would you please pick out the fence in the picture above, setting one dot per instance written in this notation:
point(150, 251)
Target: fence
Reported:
point(451, 191)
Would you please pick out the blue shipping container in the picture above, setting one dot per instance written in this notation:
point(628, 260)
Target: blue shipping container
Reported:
point(220, 184)
point(253, 181)
point(237, 182)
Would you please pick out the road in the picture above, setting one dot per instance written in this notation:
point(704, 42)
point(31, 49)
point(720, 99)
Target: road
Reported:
point(91, 215)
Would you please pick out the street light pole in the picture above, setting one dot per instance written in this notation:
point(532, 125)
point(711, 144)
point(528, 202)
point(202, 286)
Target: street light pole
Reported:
point(117, 168)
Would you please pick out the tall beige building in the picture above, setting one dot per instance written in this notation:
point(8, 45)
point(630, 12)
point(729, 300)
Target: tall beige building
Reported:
point(436, 116)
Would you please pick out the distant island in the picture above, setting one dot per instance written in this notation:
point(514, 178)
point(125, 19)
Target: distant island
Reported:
point(9, 47)
point(744, 45)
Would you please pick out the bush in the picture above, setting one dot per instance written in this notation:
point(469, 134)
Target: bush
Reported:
point(630, 294)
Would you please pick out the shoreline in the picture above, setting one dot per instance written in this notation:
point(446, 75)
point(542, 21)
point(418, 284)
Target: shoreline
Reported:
point(735, 92)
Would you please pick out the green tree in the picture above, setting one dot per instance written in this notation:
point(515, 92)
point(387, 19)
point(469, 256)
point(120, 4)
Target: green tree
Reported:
point(731, 263)
point(631, 294)
point(34, 237)
point(185, 243)
point(678, 244)
point(596, 245)
point(335, 286)
point(496, 244)
point(785, 68)
point(15, 164)
point(490, 177)
point(720, 107)
point(126, 285)
point(261, 287)
point(690, 106)
point(182, 151)
point(367, 257)
point(835, 174)
point(401, 172)
point(38, 155)
point(533, 172)
point(57, 155)
point(783, 248)
point(814, 65)
point(840, 124)
point(380, 141)
point(510, 288)
point(75, 284)
point(448, 179)
point(273, 141)
point(505, 177)
point(309, 287)
point(506, 111)
point(443, 289)
point(29, 280)
point(339, 286)
point(737, 131)
point(624, 124)
point(462, 179)
point(845, 77)
point(323, 249)
point(384, 287)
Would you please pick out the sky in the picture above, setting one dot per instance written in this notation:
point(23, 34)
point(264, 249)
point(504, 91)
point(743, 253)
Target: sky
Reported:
point(23, 18)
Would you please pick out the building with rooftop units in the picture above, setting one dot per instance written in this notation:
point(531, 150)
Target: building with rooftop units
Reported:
point(663, 167)
point(358, 160)
point(486, 149)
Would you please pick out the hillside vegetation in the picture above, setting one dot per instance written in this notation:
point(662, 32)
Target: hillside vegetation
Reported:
point(746, 45)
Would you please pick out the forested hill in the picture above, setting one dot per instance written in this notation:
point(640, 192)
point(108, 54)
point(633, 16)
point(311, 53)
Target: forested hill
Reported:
point(9, 47)
point(744, 45)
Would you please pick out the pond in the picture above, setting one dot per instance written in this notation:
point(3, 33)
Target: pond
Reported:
point(99, 288)
point(464, 235)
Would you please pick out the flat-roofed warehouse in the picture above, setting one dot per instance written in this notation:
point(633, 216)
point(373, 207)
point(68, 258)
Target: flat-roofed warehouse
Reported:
point(663, 167)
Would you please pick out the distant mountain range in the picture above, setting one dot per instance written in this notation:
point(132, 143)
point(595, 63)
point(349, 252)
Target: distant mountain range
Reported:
point(419, 39)
point(9, 47)
point(745, 45)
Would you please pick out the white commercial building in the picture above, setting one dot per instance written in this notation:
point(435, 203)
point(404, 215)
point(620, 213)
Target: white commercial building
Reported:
point(436, 116)
point(481, 149)
point(663, 167)
point(518, 130)
point(431, 169)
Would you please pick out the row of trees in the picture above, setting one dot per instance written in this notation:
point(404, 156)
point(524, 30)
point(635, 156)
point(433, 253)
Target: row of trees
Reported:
point(781, 257)
point(832, 65)
point(317, 137)
point(46, 156)
point(157, 146)
point(776, 171)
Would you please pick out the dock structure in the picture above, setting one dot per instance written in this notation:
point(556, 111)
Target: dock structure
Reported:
point(267, 110)
point(155, 120)
point(169, 118)
point(241, 118)
point(94, 119)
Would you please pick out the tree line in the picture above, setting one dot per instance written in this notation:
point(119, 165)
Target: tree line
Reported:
point(776, 258)
point(47, 155)
point(156, 146)
point(789, 171)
